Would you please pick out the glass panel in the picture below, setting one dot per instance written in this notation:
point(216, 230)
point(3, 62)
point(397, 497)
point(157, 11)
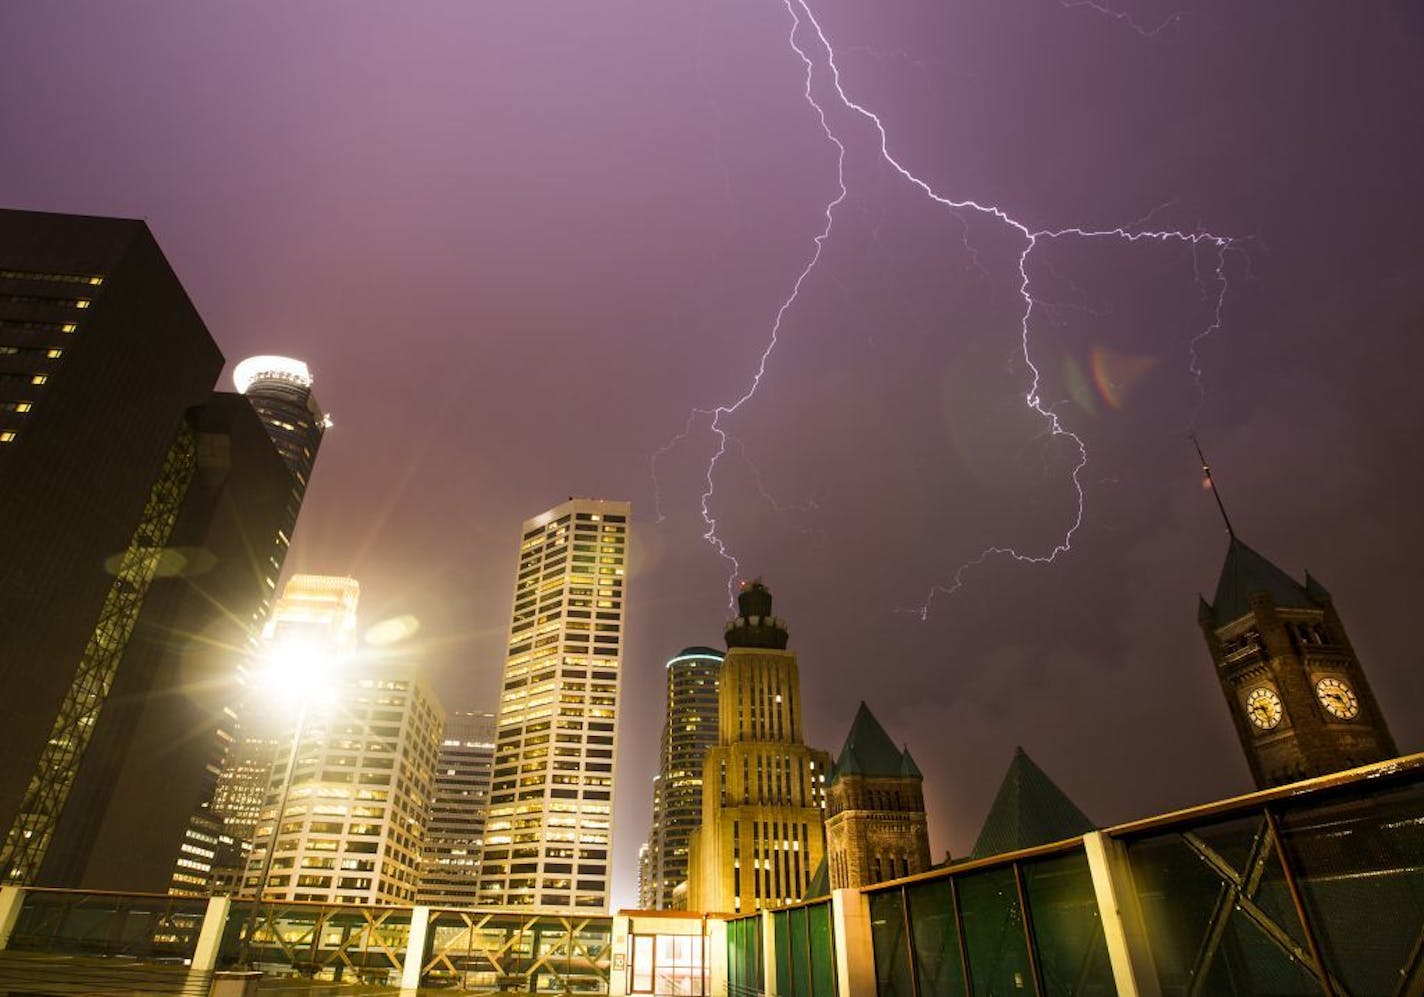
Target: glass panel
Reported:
point(892, 952)
point(800, 955)
point(823, 953)
point(932, 918)
point(994, 933)
point(1217, 913)
point(1360, 863)
point(640, 969)
point(1067, 932)
point(783, 951)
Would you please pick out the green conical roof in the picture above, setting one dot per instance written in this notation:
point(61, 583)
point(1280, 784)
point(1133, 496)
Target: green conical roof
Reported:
point(908, 766)
point(1029, 810)
point(868, 750)
point(1246, 573)
point(820, 883)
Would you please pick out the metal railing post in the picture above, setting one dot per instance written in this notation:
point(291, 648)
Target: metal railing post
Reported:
point(769, 982)
point(12, 898)
point(414, 962)
point(210, 936)
point(1129, 952)
point(855, 951)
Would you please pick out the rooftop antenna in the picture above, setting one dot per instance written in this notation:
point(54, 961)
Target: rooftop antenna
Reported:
point(1211, 483)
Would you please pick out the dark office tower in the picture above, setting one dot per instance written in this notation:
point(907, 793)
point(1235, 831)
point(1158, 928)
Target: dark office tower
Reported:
point(101, 357)
point(168, 709)
point(141, 534)
point(690, 729)
point(455, 829)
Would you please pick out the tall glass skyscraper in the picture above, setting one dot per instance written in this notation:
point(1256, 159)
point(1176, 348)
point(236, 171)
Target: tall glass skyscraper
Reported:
point(143, 522)
point(548, 837)
point(690, 729)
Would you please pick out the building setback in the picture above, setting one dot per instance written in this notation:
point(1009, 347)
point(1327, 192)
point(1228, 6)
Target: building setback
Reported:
point(349, 801)
point(688, 732)
point(135, 509)
point(762, 833)
point(548, 837)
point(454, 834)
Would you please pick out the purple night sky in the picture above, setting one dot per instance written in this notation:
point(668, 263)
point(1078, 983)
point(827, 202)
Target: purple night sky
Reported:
point(519, 241)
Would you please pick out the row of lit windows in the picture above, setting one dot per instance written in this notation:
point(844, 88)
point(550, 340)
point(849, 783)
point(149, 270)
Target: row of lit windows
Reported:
point(94, 280)
point(45, 299)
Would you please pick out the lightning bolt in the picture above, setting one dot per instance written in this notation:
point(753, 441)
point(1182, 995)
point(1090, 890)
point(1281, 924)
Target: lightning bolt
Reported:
point(801, 16)
point(1125, 18)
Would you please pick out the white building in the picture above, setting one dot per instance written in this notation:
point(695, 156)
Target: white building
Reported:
point(548, 837)
point(350, 795)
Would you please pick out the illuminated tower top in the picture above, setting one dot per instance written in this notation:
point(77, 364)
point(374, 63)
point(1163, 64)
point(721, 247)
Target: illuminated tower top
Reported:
point(279, 388)
point(754, 625)
point(318, 607)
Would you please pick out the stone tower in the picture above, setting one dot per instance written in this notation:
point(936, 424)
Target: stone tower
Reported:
point(876, 827)
point(1295, 689)
point(763, 790)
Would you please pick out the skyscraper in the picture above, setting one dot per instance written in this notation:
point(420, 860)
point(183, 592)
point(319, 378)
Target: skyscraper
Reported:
point(690, 729)
point(548, 837)
point(347, 806)
point(454, 834)
point(129, 499)
point(762, 833)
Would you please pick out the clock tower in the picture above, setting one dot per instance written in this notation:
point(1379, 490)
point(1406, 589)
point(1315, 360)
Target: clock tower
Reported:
point(1294, 687)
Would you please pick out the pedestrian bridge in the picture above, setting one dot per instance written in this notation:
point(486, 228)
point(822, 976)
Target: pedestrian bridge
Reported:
point(1312, 888)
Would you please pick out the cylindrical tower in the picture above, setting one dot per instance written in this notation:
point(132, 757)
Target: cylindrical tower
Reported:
point(279, 388)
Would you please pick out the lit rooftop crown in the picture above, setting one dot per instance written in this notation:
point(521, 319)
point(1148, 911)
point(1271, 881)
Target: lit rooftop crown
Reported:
point(754, 625)
point(285, 369)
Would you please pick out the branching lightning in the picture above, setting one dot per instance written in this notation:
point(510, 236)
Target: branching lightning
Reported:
point(1219, 246)
point(1125, 18)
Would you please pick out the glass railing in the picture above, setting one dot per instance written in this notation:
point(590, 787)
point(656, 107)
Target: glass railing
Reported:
point(1314, 888)
point(805, 950)
point(1317, 893)
point(138, 926)
point(1023, 924)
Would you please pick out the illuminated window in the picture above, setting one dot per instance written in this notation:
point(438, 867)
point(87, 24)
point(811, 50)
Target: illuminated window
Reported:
point(39, 379)
point(6, 436)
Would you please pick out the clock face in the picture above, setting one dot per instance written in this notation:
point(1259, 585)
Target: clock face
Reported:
point(1337, 698)
point(1264, 708)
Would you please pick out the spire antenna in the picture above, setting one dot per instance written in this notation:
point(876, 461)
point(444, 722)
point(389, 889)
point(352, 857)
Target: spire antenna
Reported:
point(1211, 483)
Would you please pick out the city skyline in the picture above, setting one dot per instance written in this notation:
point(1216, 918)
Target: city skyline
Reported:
point(491, 261)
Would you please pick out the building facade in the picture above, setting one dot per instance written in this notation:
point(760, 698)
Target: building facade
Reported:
point(343, 817)
point(130, 497)
point(688, 732)
point(548, 837)
point(876, 828)
point(455, 831)
point(1296, 690)
point(762, 833)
